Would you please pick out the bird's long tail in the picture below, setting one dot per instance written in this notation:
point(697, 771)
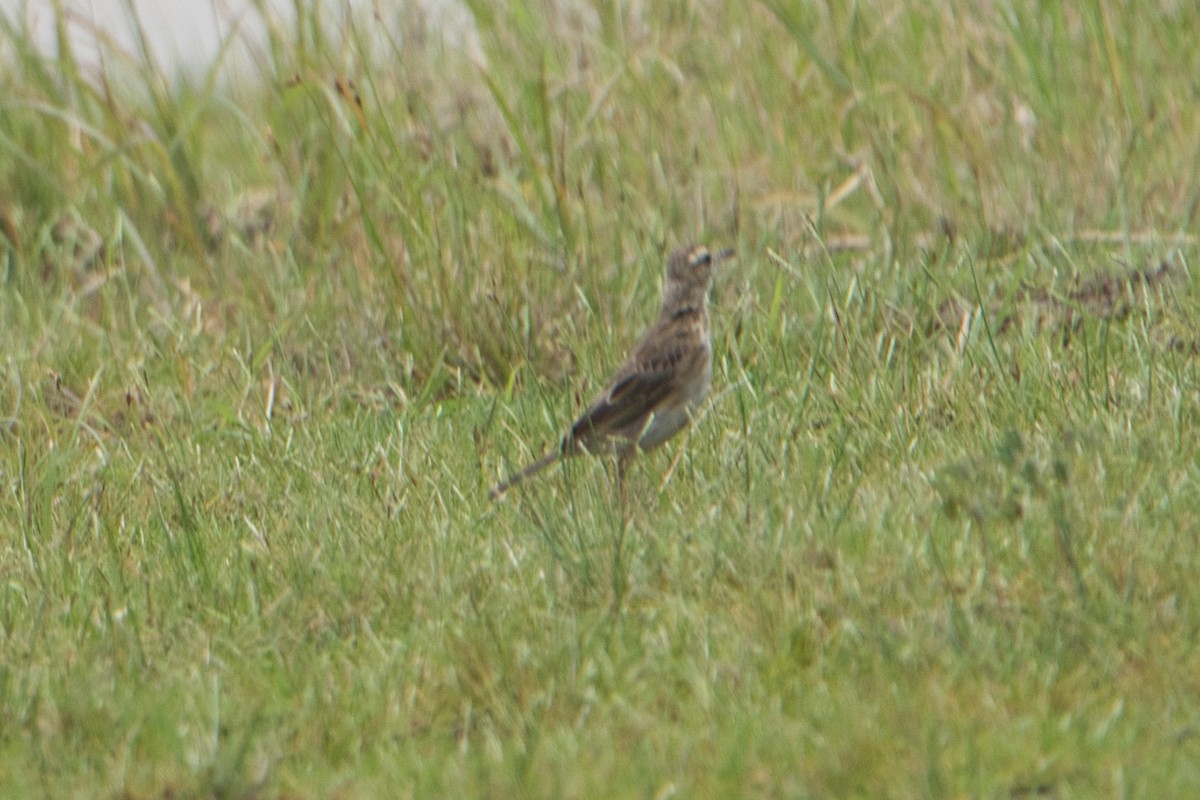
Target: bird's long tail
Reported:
point(530, 471)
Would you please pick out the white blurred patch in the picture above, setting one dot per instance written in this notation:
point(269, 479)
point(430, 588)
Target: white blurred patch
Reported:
point(187, 36)
point(1026, 122)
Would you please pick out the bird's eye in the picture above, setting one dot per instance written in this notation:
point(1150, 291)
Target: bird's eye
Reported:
point(700, 256)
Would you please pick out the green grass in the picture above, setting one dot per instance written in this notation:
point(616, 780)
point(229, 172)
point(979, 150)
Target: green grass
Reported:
point(267, 345)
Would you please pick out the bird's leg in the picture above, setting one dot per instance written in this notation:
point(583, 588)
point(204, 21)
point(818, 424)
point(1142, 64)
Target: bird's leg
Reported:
point(622, 466)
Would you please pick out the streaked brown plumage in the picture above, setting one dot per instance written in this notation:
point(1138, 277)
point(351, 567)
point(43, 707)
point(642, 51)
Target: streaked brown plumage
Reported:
point(659, 387)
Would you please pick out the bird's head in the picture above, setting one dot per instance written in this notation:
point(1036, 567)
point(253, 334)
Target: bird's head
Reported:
point(694, 264)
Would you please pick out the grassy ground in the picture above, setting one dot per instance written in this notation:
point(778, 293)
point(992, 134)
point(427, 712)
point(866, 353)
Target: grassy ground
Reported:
point(266, 346)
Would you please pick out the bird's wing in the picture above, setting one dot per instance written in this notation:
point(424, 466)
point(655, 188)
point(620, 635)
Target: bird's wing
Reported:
point(647, 379)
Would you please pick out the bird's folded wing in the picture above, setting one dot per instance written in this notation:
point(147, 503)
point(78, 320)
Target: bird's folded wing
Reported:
point(639, 389)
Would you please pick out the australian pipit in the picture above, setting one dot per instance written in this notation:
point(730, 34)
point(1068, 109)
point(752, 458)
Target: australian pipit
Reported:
point(659, 387)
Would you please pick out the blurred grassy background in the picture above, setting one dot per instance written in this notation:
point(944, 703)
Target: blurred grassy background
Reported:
point(267, 345)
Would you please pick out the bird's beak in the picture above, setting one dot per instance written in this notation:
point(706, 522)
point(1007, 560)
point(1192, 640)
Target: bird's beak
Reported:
point(724, 255)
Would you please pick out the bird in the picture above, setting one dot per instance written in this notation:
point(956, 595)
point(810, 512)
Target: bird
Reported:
point(655, 393)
